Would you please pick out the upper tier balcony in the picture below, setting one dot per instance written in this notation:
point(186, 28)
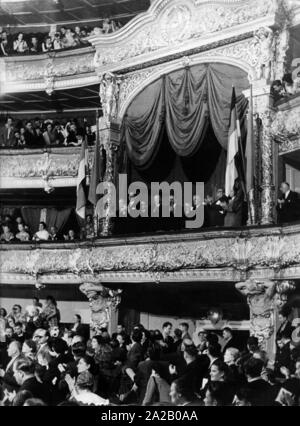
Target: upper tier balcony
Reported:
point(48, 71)
point(40, 168)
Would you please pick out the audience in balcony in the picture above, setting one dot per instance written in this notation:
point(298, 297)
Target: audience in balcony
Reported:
point(64, 38)
point(39, 133)
point(286, 88)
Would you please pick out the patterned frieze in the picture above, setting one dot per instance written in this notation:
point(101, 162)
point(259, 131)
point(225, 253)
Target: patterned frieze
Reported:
point(53, 163)
point(170, 24)
point(232, 253)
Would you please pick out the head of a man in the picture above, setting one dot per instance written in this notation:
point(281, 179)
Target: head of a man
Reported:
point(41, 336)
point(227, 333)
point(18, 329)
point(180, 392)
point(167, 328)
point(284, 187)
point(23, 369)
point(14, 349)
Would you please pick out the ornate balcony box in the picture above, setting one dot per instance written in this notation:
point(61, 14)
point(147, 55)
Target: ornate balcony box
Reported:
point(49, 71)
point(33, 168)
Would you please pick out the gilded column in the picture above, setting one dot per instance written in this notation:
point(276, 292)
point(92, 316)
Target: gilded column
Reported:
point(109, 133)
point(102, 301)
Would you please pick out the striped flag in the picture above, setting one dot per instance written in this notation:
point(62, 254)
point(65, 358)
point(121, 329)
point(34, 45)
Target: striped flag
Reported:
point(98, 167)
point(81, 181)
point(249, 154)
point(235, 167)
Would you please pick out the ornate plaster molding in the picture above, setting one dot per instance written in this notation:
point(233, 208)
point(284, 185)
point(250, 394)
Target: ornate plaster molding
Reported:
point(234, 253)
point(285, 127)
point(170, 24)
point(53, 164)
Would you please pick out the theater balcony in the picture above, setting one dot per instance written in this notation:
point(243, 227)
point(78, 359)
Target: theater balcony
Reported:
point(49, 71)
point(40, 168)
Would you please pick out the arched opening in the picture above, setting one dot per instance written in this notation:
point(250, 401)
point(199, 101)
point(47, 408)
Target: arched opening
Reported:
point(181, 121)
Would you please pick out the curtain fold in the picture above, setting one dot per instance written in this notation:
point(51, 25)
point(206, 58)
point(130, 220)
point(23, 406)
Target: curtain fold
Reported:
point(185, 103)
point(57, 218)
point(143, 124)
point(32, 217)
point(220, 79)
point(186, 109)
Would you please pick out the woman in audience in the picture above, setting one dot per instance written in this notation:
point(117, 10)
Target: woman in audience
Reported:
point(20, 45)
point(42, 234)
point(6, 236)
point(22, 234)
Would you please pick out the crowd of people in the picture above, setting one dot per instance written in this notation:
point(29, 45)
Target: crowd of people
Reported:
point(56, 39)
point(17, 231)
point(38, 133)
point(222, 212)
point(45, 363)
point(285, 88)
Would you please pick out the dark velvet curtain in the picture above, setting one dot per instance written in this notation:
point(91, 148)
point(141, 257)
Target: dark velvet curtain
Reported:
point(32, 217)
point(186, 109)
point(57, 218)
point(185, 101)
point(143, 124)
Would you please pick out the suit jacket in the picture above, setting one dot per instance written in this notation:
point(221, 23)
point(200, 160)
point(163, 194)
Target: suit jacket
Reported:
point(7, 138)
point(289, 210)
point(286, 328)
point(260, 393)
point(134, 356)
point(37, 389)
point(9, 381)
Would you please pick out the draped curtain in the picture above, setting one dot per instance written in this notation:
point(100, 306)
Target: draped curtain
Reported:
point(57, 218)
point(54, 217)
point(183, 104)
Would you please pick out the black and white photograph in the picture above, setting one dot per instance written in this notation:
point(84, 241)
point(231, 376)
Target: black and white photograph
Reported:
point(149, 206)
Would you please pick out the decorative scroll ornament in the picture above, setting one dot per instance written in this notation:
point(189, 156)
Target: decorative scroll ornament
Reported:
point(109, 94)
point(101, 301)
point(49, 78)
point(264, 37)
point(260, 298)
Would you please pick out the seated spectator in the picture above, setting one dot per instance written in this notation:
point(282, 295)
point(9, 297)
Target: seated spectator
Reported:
point(3, 44)
point(6, 236)
point(34, 45)
point(53, 234)
point(30, 135)
point(42, 234)
point(22, 234)
point(47, 45)
point(81, 390)
point(49, 135)
point(39, 138)
point(20, 45)
point(57, 43)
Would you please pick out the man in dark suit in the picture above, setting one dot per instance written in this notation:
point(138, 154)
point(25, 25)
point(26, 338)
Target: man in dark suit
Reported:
point(8, 379)
point(260, 390)
point(216, 211)
point(287, 204)
point(229, 339)
point(24, 369)
point(30, 136)
point(7, 135)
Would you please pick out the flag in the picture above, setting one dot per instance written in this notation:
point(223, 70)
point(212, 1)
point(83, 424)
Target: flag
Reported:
point(97, 170)
point(81, 181)
point(249, 154)
point(233, 147)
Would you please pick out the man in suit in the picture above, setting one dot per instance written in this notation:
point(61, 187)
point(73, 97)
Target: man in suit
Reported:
point(260, 390)
point(216, 211)
point(167, 342)
point(8, 380)
point(287, 204)
point(30, 136)
point(24, 369)
point(229, 340)
point(7, 136)
point(184, 327)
